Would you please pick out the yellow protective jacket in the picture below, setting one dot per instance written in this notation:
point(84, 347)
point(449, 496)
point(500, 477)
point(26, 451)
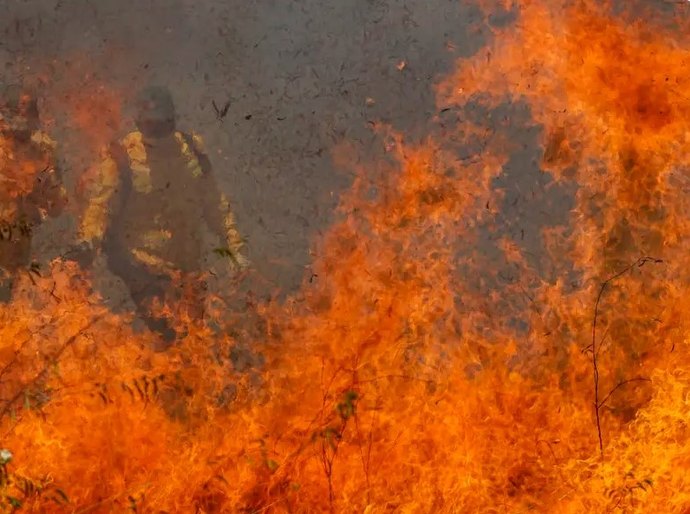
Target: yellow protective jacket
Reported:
point(147, 201)
point(30, 191)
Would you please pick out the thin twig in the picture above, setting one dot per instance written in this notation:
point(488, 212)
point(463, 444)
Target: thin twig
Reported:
point(16, 355)
point(595, 365)
point(105, 501)
point(621, 384)
point(8, 406)
point(603, 339)
point(365, 461)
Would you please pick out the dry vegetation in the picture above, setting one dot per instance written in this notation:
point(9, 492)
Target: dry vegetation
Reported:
point(394, 382)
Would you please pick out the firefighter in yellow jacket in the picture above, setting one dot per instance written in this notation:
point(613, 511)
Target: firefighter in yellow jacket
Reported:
point(30, 184)
point(147, 204)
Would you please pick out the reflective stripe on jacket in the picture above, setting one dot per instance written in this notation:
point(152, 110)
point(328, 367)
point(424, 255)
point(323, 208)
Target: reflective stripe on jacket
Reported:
point(106, 187)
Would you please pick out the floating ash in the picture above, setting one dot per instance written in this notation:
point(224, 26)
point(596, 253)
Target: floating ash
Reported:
point(442, 354)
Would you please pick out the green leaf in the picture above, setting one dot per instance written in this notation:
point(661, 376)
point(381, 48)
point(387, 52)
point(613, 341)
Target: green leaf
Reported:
point(223, 252)
point(14, 502)
point(331, 435)
point(272, 465)
point(346, 408)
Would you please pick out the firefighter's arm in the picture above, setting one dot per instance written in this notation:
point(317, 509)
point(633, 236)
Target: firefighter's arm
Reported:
point(221, 220)
point(231, 236)
point(217, 212)
point(98, 188)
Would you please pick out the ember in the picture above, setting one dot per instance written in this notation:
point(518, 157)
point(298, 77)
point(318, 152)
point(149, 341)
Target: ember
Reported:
point(440, 356)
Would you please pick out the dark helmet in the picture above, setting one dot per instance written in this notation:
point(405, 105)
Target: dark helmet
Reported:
point(18, 109)
point(155, 111)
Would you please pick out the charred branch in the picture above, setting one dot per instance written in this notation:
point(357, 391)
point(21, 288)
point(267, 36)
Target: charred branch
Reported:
point(599, 403)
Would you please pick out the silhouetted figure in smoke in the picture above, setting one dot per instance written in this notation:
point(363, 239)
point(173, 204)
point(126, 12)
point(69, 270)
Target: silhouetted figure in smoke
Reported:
point(30, 185)
point(147, 207)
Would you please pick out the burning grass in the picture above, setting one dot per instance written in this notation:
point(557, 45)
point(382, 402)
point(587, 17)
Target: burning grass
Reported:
point(395, 381)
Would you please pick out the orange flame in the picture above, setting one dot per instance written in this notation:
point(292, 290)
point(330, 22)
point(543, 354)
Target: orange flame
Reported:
point(412, 375)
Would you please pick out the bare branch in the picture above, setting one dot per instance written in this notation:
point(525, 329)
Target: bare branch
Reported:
point(621, 384)
point(593, 345)
point(8, 406)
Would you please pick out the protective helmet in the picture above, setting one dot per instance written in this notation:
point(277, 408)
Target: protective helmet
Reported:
point(18, 109)
point(155, 111)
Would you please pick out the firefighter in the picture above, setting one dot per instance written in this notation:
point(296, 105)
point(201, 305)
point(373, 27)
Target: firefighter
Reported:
point(146, 207)
point(30, 183)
